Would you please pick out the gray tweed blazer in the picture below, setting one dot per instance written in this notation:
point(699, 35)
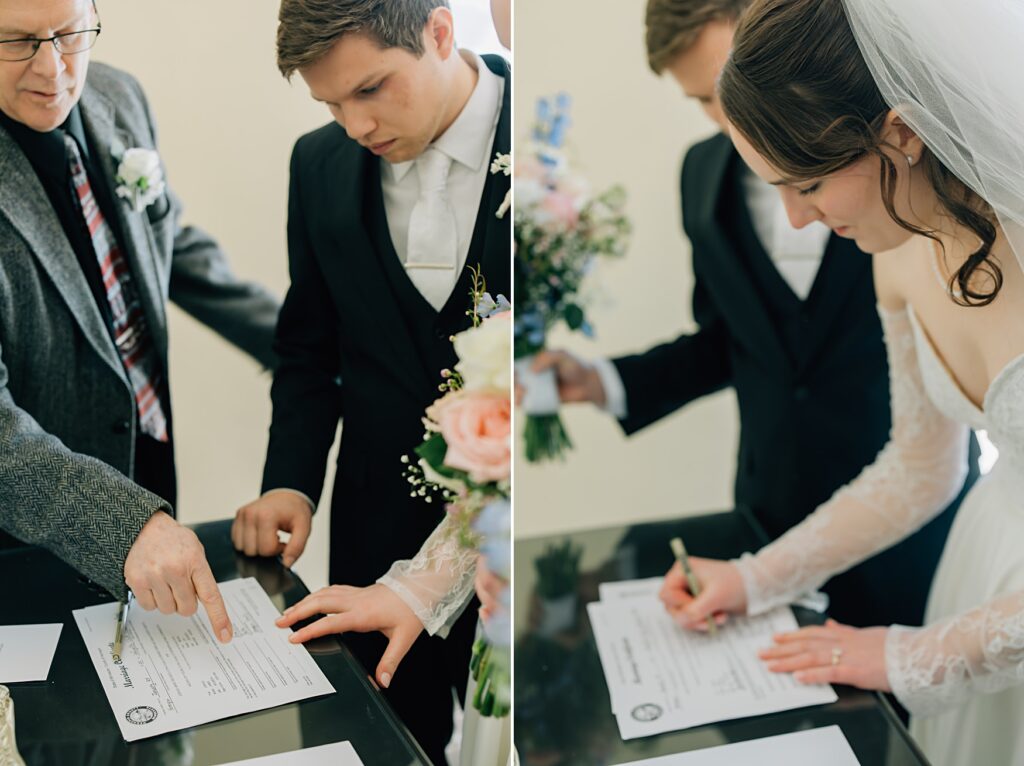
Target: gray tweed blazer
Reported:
point(65, 465)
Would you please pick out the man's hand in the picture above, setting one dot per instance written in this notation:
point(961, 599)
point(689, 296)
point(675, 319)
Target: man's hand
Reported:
point(256, 526)
point(359, 610)
point(166, 569)
point(577, 380)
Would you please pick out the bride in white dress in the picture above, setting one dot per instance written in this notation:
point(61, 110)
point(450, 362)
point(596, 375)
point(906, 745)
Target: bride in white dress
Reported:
point(900, 124)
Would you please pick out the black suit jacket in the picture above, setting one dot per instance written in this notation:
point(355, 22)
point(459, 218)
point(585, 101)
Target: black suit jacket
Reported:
point(357, 341)
point(811, 417)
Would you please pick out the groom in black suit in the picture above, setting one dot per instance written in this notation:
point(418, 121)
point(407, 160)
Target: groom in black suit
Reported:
point(787, 318)
point(390, 207)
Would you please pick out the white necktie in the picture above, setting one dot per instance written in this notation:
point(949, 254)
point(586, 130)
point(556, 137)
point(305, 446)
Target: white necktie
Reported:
point(432, 251)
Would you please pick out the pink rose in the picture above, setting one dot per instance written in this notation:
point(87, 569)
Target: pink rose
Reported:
point(562, 208)
point(530, 167)
point(477, 426)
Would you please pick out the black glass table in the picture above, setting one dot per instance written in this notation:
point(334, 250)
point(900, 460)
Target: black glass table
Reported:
point(563, 712)
point(66, 721)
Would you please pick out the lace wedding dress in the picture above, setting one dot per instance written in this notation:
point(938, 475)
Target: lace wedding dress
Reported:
point(962, 675)
point(437, 584)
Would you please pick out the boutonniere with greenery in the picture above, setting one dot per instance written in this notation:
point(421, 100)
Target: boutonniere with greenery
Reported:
point(140, 178)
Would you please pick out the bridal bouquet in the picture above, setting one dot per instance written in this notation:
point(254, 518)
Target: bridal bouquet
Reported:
point(560, 227)
point(466, 458)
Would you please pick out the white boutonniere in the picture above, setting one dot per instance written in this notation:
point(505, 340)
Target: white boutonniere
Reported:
point(140, 178)
point(503, 164)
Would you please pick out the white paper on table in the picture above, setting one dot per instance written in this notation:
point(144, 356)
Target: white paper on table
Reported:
point(649, 586)
point(173, 674)
point(803, 748)
point(664, 678)
point(335, 754)
point(26, 651)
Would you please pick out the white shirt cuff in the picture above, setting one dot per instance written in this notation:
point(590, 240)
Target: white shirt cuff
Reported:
point(303, 495)
point(614, 389)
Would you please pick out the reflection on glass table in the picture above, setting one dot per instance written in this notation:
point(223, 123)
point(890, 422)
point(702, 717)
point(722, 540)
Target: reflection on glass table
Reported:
point(563, 712)
point(66, 720)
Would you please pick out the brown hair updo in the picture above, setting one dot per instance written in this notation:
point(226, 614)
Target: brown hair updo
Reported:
point(798, 89)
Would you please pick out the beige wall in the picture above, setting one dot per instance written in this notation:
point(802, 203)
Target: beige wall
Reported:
point(633, 128)
point(227, 124)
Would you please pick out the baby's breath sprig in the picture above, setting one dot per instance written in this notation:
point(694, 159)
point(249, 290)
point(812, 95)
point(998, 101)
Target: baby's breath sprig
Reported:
point(476, 294)
point(422, 487)
point(452, 381)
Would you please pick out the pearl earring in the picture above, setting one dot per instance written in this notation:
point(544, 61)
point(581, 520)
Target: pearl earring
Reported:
point(910, 160)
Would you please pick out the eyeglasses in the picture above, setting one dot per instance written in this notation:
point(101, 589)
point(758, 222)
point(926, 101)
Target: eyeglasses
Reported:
point(67, 43)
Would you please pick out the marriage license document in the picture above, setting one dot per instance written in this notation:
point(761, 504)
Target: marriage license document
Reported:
point(173, 674)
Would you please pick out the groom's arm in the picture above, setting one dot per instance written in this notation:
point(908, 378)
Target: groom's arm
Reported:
point(671, 375)
point(307, 391)
point(661, 380)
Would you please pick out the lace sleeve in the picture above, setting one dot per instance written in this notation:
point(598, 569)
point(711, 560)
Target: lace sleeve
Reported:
point(914, 477)
point(939, 666)
point(437, 583)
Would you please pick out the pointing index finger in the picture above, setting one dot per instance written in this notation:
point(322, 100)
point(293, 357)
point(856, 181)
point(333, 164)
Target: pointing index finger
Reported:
point(213, 603)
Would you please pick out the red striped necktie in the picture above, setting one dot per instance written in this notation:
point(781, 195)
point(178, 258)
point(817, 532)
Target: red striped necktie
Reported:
point(131, 333)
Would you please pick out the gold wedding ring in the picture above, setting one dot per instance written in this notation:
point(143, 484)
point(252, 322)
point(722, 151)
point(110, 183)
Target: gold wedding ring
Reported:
point(837, 654)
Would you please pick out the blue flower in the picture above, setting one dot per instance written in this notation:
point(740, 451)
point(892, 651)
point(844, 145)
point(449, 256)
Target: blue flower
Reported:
point(495, 525)
point(531, 326)
point(488, 306)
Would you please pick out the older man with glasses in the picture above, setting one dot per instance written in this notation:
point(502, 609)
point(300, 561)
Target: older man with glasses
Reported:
point(90, 250)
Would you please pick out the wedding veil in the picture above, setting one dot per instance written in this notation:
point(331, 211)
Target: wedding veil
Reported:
point(953, 69)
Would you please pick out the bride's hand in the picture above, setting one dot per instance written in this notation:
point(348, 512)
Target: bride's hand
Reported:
point(832, 654)
point(361, 610)
point(722, 592)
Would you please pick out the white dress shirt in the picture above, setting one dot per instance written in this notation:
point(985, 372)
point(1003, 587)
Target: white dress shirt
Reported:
point(796, 253)
point(468, 141)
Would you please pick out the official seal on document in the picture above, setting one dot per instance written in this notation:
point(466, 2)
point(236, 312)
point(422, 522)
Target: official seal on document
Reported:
point(648, 712)
point(141, 715)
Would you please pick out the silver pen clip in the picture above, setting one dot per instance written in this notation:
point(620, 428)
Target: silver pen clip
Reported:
point(122, 622)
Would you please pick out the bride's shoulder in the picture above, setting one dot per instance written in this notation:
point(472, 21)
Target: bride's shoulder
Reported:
point(895, 272)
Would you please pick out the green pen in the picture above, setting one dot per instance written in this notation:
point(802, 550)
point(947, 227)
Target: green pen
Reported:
point(691, 579)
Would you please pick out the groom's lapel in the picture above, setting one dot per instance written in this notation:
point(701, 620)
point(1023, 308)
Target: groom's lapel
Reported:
point(491, 246)
point(733, 286)
point(23, 202)
point(351, 170)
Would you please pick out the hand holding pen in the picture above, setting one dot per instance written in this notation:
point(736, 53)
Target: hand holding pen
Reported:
point(719, 591)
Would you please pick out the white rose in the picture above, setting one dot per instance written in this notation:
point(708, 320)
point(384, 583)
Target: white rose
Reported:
point(140, 177)
point(485, 354)
point(529, 192)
